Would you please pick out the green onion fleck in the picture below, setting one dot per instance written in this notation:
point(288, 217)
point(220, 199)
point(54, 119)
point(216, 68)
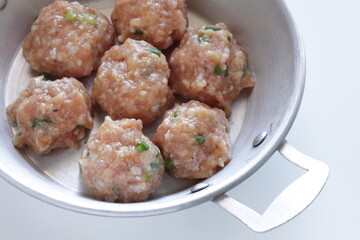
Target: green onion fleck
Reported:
point(86, 140)
point(89, 18)
point(39, 120)
point(200, 139)
point(203, 39)
point(229, 38)
point(70, 15)
point(154, 51)
point(115, 191)
point(80, 126)
point(138, 32)
point(212, 28)
point(226, 72)
point(155, 165)
point(157, 154)
point(147, 177)
point(18, 134)
point(88, 154)
point(142, 146)
point(176, 114)
point(245, 68)
point(169, 164)
point(217, 70)
point(45, 77)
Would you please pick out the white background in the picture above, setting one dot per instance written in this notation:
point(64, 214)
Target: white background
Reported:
point(326, 128)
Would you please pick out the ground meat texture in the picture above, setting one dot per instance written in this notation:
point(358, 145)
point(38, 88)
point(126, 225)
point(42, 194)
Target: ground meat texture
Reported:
point(120, 164)
point(68, 39)
point(159, 22)
point(51, 114)
point(194, 140)
point(210, 66)
point(132, 82)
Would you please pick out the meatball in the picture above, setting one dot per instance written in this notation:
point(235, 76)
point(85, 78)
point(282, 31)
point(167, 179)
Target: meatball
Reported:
point(120, 164)
point(68, 40)
point(159, 22)
point(132, 82)
point(51, 114)
point(194, 140)
point(210, 66)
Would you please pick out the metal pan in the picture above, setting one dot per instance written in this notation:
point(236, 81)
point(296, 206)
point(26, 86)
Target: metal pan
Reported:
point(260, 120)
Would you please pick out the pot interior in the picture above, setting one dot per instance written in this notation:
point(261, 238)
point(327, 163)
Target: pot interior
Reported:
point(276, 59)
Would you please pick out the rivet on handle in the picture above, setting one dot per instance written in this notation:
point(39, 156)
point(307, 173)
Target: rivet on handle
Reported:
point(2, 4)
point(259, 139)
point(199, 187)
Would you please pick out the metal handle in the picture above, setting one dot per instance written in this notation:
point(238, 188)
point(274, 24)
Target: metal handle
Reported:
point(290, 202)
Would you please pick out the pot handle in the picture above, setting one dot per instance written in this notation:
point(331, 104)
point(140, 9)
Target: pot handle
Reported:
point(290, 202)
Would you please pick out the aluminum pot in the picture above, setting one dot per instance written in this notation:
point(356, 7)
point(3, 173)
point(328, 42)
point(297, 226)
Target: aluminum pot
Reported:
point(260, 120)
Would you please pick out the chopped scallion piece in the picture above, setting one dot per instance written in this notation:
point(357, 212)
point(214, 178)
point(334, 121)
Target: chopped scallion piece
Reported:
point(138, 32)
point(142, 146)
point(115, 191)
point(212, 28)
point(203, 39)
point(169, 164)
point(39, 120)
point(45, 77)
point(157, 155)
point(217, 70)
point(88, 153)
point(86, 140)
point(229, 38)
point(147, 177)
point(89, 18)
point(154, 51)
point(200, 139)
point(70, 15)
point(155, 165)
point(18, 134)
point(245, 68)
point(176, 114)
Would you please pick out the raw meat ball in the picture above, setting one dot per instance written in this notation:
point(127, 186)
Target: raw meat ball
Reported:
point(209, 66)
point(194, 140)
point(159, 22)
point(120, 164)
point(132, 82)
point(68, 39)
point(51, 114)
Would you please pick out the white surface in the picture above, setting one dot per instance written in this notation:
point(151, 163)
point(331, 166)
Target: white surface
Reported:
point(327, 128)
